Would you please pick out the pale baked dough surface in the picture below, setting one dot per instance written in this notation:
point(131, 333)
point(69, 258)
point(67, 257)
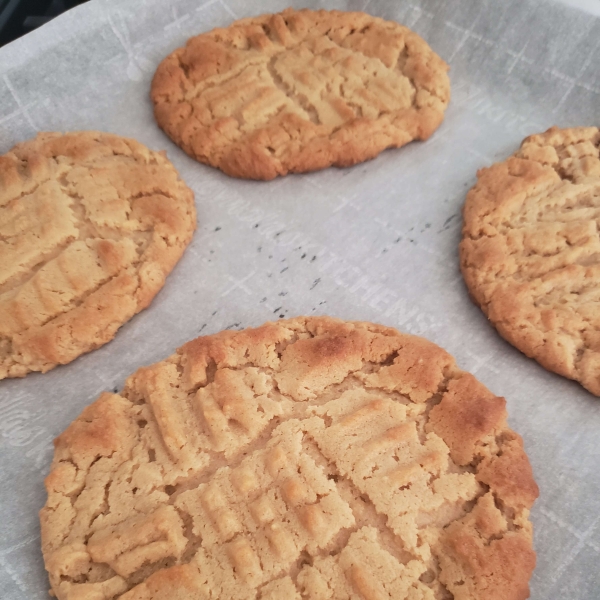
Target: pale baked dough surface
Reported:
point(309, 458)
point(530, 252)
point(299, 91)
point(90, 226)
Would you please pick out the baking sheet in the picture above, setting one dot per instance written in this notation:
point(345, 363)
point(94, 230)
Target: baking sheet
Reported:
point(375, 242)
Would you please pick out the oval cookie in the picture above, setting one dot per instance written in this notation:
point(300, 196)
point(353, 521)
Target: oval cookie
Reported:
point(90, 226)
point(530, 252)
point(308, 458)
point(299, 91)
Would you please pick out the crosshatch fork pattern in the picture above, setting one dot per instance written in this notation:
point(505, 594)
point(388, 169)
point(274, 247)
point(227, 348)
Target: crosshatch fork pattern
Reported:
point(338, 278)
point(342, 457)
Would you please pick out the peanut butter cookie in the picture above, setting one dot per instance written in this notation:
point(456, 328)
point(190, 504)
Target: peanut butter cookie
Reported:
point(299, 91)
point(309, 458)
point(530, 252)
point(90, 226)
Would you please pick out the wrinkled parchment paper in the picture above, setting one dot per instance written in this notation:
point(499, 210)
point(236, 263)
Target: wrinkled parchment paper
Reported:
point(375, 242)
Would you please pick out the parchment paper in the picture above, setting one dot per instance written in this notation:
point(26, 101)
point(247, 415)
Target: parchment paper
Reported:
point(375, 242)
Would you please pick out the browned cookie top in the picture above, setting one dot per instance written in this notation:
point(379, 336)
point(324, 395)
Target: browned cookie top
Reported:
point(299, 91)
point(90, 226)
point(309, 458)
point(530, 252)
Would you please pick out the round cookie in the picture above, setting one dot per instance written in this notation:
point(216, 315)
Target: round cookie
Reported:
point(90, 226)
point(299, 91)
point(530, 252)
point(308, 458)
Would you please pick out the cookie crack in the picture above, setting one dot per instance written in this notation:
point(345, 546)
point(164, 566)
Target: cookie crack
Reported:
point(300, 100)
point(392, 541)
point(28, 192)
point(216, 80)
point(382, 66)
